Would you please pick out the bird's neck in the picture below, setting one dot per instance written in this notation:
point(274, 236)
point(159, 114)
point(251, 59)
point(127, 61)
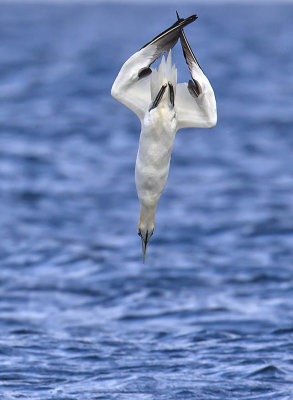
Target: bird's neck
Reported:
point(147, 217)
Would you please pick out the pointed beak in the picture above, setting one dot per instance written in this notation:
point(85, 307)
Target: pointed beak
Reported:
point(145, 236)
point(144, 242)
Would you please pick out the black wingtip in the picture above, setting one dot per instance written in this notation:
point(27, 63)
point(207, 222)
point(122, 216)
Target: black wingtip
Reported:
point(180, 24)
point(186, 21)
point(191, 18)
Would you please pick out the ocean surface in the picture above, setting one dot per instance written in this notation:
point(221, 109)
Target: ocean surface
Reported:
point(210, 314)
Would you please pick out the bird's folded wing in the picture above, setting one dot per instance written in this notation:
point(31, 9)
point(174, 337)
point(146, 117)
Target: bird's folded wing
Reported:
point(195, 102)
point(132, 85)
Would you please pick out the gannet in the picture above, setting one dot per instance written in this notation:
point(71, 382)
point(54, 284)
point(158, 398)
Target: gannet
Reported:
point(163, 107)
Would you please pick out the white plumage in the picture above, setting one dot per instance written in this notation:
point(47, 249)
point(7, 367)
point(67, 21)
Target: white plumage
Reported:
point(163, 107)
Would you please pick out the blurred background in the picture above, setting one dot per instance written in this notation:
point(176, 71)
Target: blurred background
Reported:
point(210, 314)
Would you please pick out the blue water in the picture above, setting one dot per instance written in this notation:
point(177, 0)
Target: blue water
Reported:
point(210, 314)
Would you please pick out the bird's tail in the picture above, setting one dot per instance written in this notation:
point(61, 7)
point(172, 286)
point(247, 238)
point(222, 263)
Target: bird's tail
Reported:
point(166, 73)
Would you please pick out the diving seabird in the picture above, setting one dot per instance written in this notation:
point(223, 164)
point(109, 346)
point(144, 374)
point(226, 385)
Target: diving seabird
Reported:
point(163, 107)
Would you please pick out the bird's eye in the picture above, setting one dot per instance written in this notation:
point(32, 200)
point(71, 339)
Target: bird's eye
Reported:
point(139, 233)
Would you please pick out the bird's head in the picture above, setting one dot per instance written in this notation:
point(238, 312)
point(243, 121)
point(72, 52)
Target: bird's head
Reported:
point(146, 227)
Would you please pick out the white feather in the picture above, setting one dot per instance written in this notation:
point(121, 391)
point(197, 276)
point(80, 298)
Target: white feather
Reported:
point(159, 124)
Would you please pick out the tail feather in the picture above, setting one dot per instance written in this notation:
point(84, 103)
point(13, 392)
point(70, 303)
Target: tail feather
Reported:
point(166, 72)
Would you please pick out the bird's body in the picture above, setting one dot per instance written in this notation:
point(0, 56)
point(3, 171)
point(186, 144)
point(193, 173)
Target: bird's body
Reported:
point(163, 107)
point(158, 129)
point(154, 153)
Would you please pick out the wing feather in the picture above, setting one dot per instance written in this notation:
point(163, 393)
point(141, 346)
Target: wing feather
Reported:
point(195, 101)
point(132, 85)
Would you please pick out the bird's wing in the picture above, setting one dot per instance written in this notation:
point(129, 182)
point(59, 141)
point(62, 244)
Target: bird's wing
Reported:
point(195, 102)
point(132, 85)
